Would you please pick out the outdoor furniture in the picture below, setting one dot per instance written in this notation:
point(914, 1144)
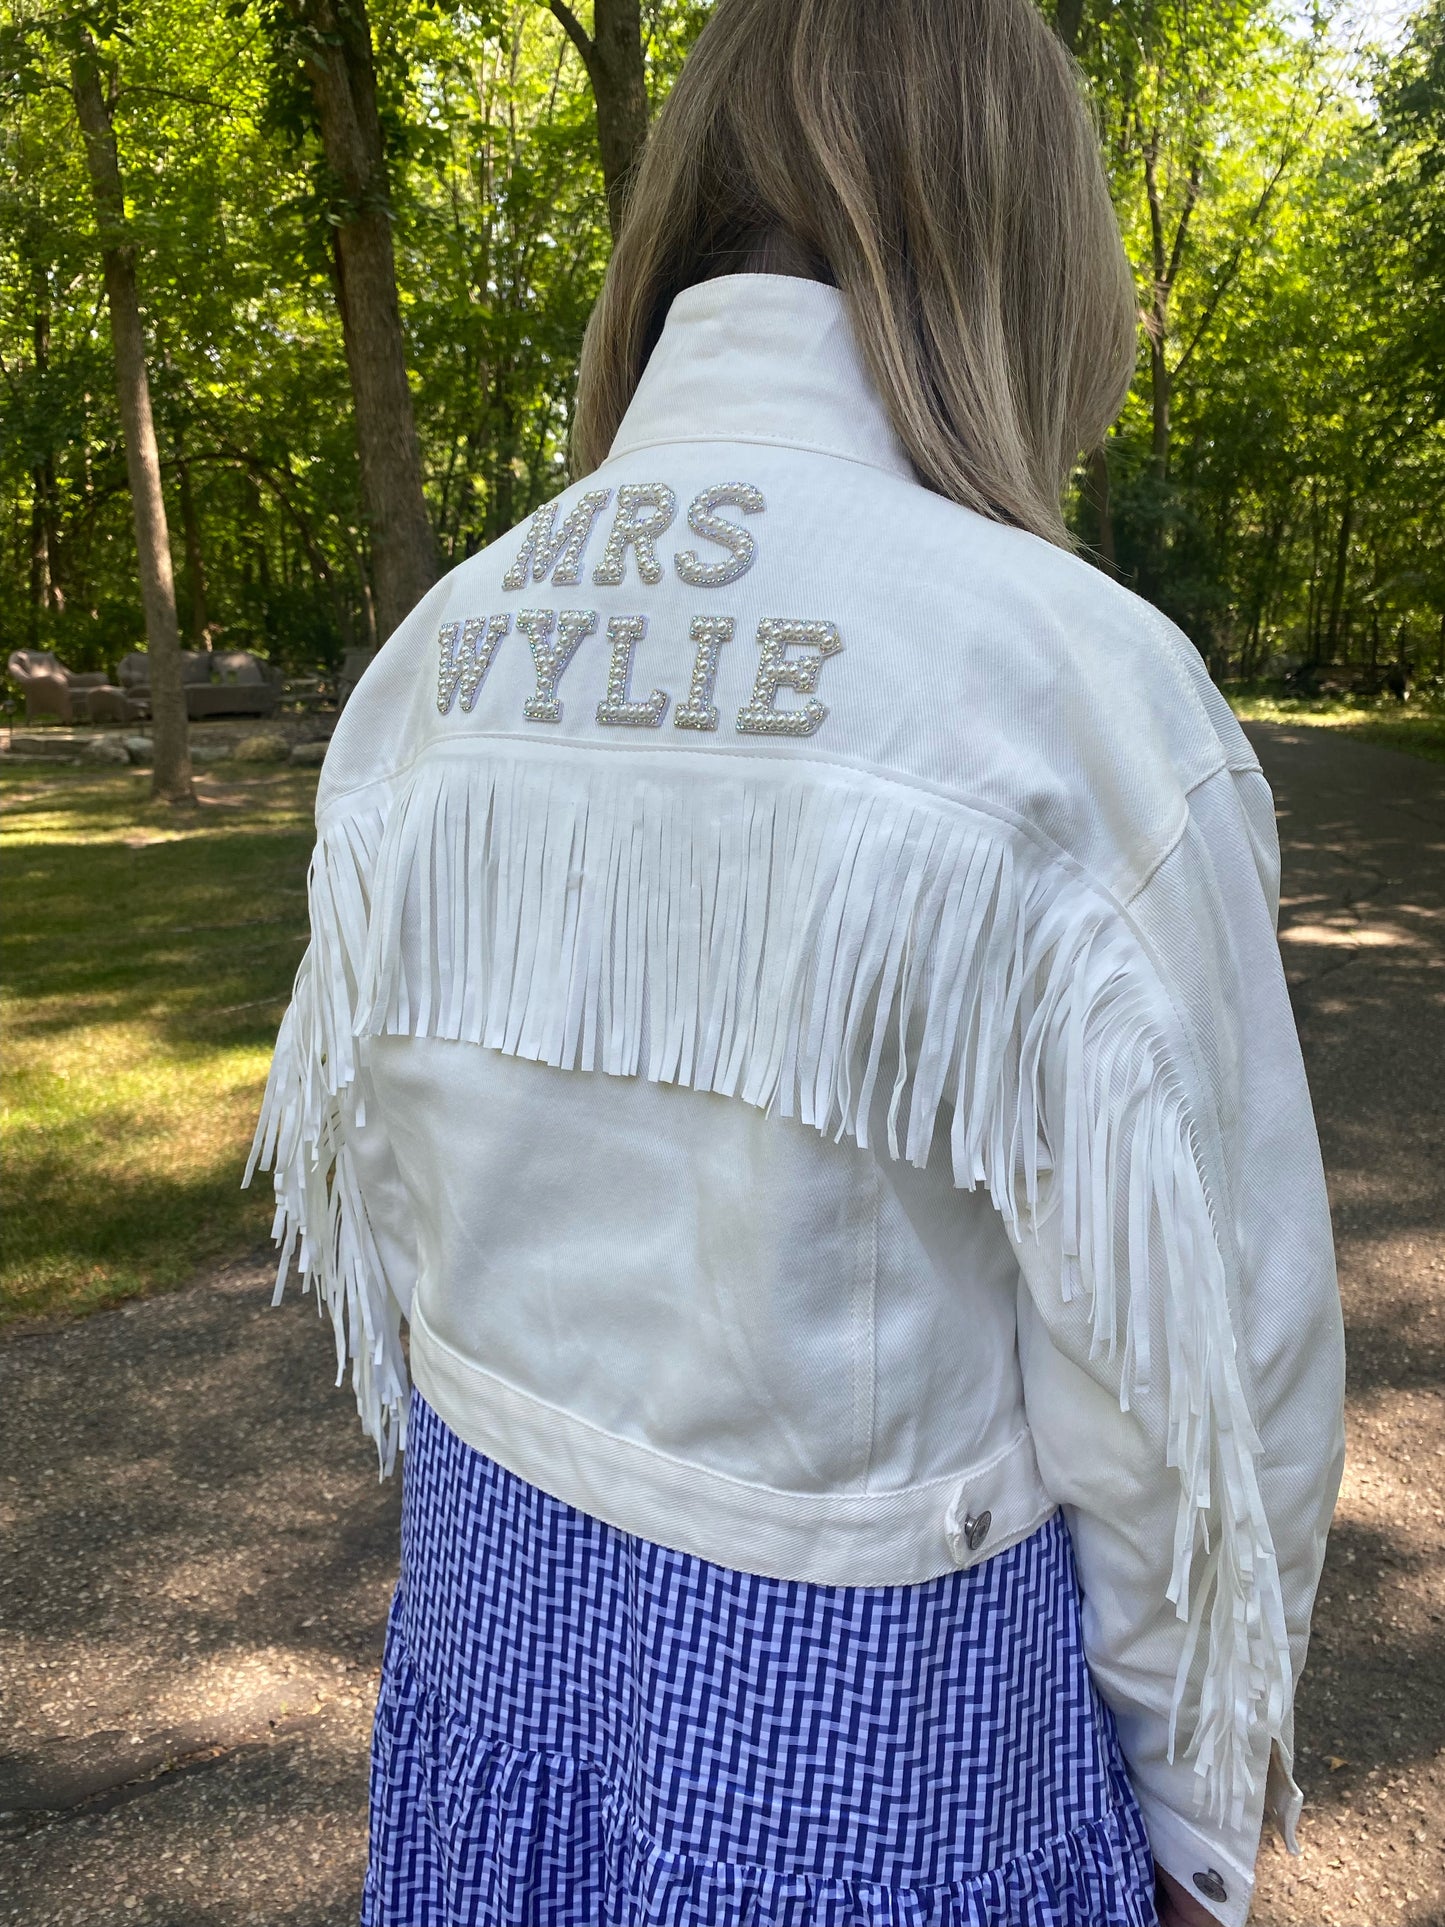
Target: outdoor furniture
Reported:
point(53, 690)
point(108, 704)
point(219, 682)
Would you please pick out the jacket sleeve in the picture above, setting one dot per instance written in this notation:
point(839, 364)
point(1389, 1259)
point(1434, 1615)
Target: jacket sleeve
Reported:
point(343, 1216)
point(1112, 1441)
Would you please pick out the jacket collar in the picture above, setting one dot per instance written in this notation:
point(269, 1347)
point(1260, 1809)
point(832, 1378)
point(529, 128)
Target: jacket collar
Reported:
point(761, 358)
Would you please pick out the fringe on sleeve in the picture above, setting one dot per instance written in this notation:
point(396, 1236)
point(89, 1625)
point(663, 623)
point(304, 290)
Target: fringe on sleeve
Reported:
point(313, 1106)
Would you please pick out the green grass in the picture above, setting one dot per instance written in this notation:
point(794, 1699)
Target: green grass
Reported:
point(147, 957)
point(1416, 727)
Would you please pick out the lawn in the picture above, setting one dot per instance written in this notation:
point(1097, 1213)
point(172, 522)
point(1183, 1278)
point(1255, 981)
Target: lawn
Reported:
point(1417, 727)
point(147, 957)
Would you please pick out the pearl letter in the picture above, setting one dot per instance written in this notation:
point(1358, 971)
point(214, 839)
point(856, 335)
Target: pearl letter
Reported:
point(777, 670)
point(740, 544)
point(617, 706)
point(551, 658)
point(644, 511)
point(557, 552)
point(708, 634)
point(467, 649)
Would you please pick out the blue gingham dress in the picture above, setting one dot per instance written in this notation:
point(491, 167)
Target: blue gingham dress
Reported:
point(579, 1728)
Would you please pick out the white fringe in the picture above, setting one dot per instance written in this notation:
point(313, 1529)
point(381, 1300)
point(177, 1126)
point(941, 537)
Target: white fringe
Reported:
point(312, 1104)
point(789, 940)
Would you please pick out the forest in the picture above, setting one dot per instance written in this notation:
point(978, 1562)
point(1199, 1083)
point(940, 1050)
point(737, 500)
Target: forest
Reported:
point(357, 242)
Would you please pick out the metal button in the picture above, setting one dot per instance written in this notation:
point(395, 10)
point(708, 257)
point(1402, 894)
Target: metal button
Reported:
point(1211, 1884)
point(975, 1531)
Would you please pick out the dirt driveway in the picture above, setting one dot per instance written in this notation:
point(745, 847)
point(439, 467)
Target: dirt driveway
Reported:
point(1363, 935)
point(198, 1554)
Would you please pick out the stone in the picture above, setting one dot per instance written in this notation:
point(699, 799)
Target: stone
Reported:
point(138, 748)
point(45, 745)
point(265, 748)
point(210, 752)
point(308, 754)
point(106, 749)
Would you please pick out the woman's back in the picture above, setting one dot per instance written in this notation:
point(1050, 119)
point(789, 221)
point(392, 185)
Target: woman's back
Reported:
point(794, 1023)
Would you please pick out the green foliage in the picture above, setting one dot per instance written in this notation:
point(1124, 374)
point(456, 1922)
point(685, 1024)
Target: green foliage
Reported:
point(1288, 512)
point(501, 240)
point(1281, 192)
point(134, 1067)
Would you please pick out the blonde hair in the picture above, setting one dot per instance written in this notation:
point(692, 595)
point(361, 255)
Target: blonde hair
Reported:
point(936, 160)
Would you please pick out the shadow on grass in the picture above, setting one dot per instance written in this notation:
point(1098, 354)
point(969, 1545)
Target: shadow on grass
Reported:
point(170, 930)
point(148, 956)
point(133, 1234)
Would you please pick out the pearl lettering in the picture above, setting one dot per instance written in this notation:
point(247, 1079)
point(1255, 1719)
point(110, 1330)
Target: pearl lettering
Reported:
point(708, 634)
point(739, 543)
point(777, 670)
point(557, 552)
point(551, 657)
point(617, 706)
point(467, 649)
point(644, 511)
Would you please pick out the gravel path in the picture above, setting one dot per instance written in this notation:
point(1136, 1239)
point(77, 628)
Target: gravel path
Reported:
point(1363, 936)
point(199, 1555)
point(199, 1558)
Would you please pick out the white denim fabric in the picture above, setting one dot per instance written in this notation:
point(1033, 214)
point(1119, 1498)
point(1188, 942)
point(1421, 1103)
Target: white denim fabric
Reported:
point(828, 1141)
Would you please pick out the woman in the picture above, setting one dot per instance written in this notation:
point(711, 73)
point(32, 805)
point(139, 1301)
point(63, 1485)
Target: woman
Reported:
point(794, 1022)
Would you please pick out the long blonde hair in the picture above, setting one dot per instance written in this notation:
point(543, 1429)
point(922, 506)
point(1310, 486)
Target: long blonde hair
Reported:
point(936, 160)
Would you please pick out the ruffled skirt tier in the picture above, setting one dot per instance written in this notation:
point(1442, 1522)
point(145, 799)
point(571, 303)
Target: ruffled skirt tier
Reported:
point(580, 1728)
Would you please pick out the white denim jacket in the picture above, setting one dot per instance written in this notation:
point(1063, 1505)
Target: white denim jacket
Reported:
point(794, 1023)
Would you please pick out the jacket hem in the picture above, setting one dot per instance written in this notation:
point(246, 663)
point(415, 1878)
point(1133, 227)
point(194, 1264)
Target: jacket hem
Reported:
point(889, 1538)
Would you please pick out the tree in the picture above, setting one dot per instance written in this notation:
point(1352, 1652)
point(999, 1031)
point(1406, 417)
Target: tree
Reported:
point(1068, 21)
point(617, 68)
point(1204, 112)
point(507, 242)
point(1301, 508)
point(1412, 184)
point(332, 40)
point(171, 769)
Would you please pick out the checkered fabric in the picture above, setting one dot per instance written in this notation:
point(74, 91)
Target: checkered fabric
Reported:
point(579, 1728)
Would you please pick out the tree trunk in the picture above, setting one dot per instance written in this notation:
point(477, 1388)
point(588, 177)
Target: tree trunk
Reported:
point(50, 517)
point(1096, 487)
point(337, 53)
point(195, 559)
point(1314, 605)
point(612, 55)
point(170, 747)
point(1159, 399)
point(46, 594)
point(1068, 20)
point(1166, 258)
point(1341, 570)
point(1276, 530)
point(39, 559)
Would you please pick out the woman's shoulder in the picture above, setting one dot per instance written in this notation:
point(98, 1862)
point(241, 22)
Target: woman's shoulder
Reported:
point(1065, 618)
